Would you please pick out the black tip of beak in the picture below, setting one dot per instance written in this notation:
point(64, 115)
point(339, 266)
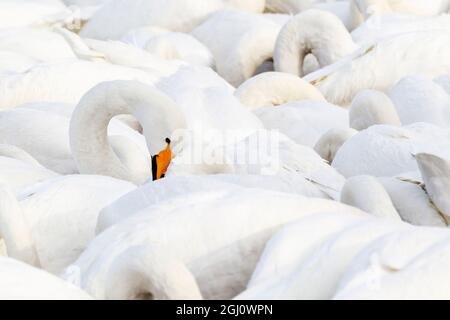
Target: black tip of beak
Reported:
point(167, 140)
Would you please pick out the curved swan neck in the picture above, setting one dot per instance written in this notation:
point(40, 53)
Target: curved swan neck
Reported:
point(371, 107)
point(312, 31)
point(275, 88)
point(15, 230)
point(145, 272)
point(330, 142)
point(367, 194)
point(158, 115)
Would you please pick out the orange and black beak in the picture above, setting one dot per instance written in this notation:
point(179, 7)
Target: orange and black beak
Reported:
point(161, 161)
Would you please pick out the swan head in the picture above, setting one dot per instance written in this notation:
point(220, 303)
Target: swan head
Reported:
point(161, 161)
point(368, 194)
point(372, 107)
point(328, 145)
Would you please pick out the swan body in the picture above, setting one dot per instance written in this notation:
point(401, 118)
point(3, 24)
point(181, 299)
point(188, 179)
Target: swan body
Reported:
point(209, 252)
point(53, 221)
point(23, 13)
point(28, 42)
point(318, 270)
point(62, 81)
point(247, 42)
point(384, 150)
point(19, 281)
point(367, 194)
point(383, 64)
point(173, 187)
point(408, 264)
point(419, 99)
point(304, 122)
point(160, 13)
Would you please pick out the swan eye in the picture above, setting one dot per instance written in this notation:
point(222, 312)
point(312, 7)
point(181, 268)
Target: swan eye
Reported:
point(161, 161)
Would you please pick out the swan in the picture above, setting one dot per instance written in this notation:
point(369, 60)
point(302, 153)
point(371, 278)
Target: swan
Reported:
point(23, 282)
point(45, 136)
point(385, 64)
point(64, 82)
point(329, 143)
point(408, 264)
point(170, 45)
point(23, 13)
point(246, 44)
point(50, 223)
point(174, 15)
point(192, 120)
point(28, 42)
point(371, 107)
point(234, 229)
point(316, 271)
point(174, 187)
point(301, 113)
point(313, 31)
point(369, 195)
point(12, 62)
point(366, 8)
point(384, 150)
point(275, 89)
point(18, 169)
point(416, 98)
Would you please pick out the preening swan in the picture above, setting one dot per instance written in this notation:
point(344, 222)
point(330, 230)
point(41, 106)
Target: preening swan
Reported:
point(158, 115)
point(383, 64)
point(246, 44)
point(219, 240)
point(23, 282)
point(383, 150)
point(54, 220)
point(313, 31)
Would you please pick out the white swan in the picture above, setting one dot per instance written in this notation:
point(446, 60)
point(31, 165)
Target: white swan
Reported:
point(408, 264)
point(419, 99)
point(315, 272)
point(22, 13)
point(274, 89)
point(55, 219)
point(110, 22)
point(45, 136)
point(382, 65)
point(19, 281)
point(246, 43)
point(302, 121)
point(18, 169)
point(371, 107)
point(367, 194)
point(177, 187)
point(314, 32)
point(383, 150)
point(198, 242)
point(62, 81)
point(329, 143)
point(28, 42)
